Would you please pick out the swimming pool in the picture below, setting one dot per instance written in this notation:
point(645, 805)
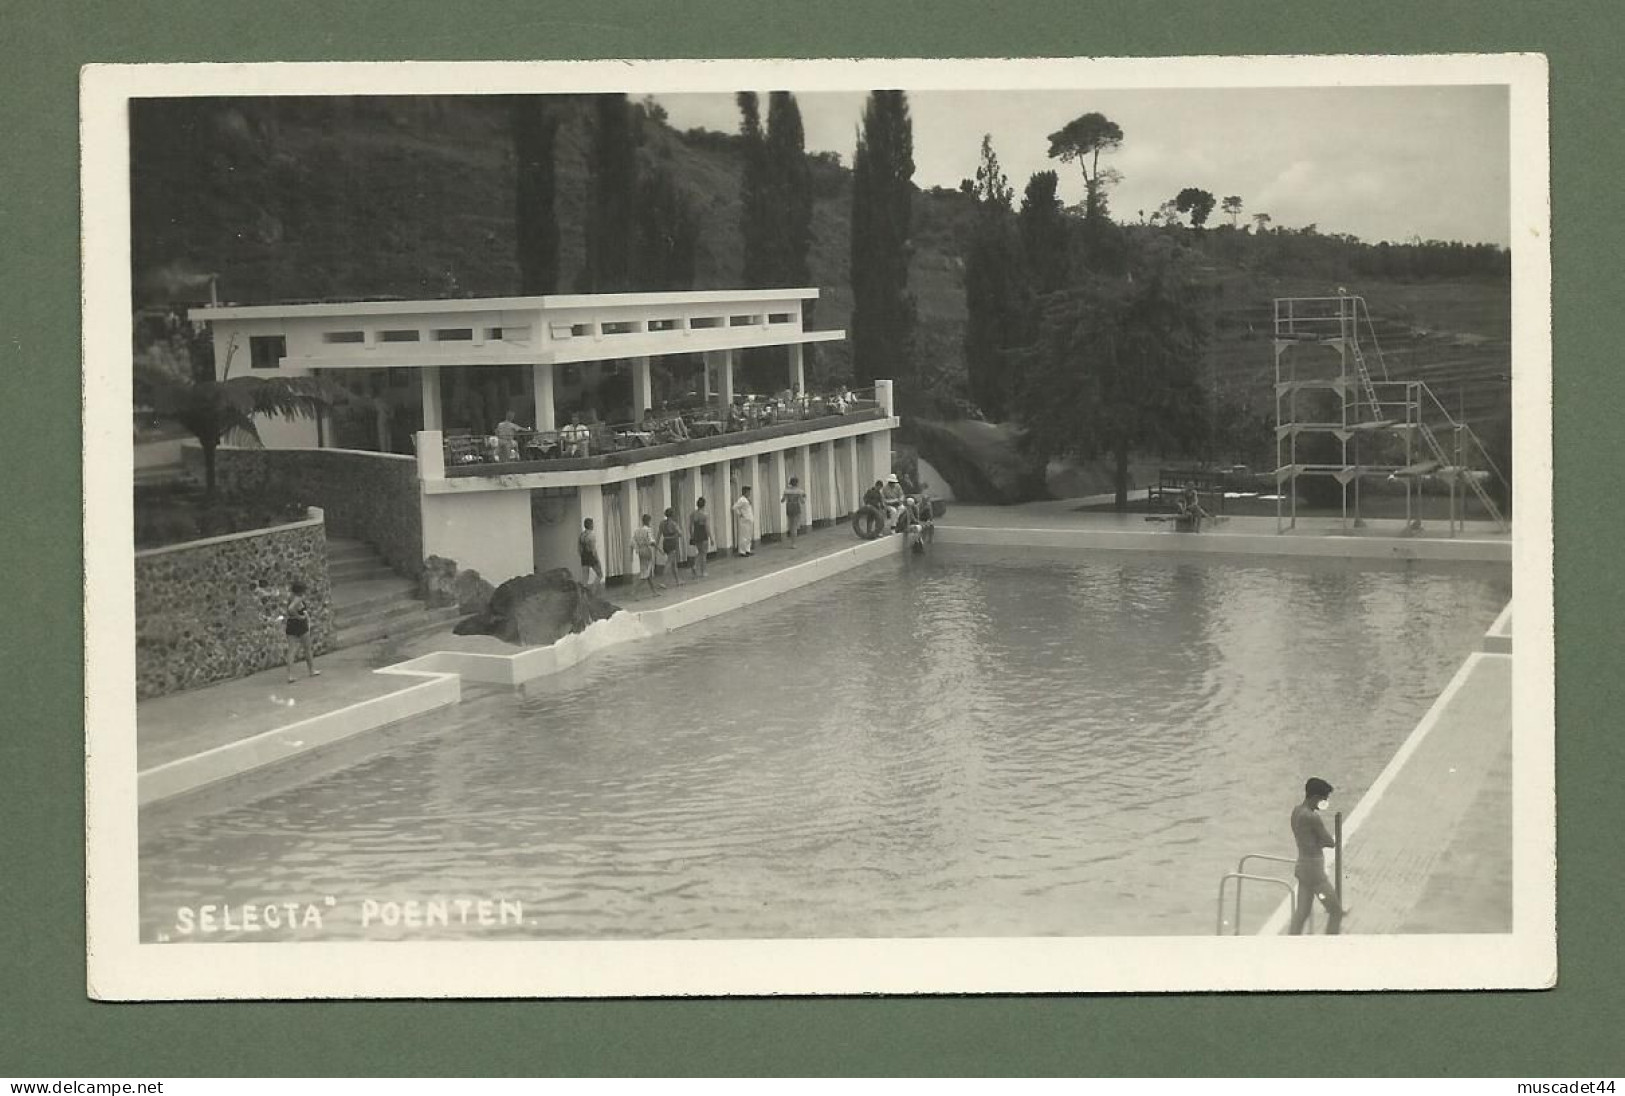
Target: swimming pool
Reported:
point(980, 743)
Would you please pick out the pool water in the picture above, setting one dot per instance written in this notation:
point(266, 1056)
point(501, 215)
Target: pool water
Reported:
point(978, 743)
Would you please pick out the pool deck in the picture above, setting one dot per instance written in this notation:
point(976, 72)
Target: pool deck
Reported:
point(1061, 524)
point(1428, 847)
point(203, 737)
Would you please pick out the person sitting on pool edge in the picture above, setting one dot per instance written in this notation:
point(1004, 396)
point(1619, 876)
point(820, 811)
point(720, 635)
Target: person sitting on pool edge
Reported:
point(892, 495)
point(1190, 509)
point(874, 499)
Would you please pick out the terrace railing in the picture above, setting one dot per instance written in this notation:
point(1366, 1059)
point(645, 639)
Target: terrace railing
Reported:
point(580, 445)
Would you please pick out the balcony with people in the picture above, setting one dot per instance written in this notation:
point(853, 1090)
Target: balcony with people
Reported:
point(685, 426)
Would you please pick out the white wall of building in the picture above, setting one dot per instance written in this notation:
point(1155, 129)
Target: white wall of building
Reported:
point(489, 532)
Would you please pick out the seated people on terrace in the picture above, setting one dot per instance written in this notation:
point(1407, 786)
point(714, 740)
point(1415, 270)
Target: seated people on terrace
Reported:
point(736, 414)
point(507, 435)
point(843, 400)
point(575, 437)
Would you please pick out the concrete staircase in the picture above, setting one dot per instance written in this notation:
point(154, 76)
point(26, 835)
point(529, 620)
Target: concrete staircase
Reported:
point(371, 602)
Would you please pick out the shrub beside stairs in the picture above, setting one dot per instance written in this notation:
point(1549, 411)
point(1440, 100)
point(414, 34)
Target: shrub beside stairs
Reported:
point(372, 602)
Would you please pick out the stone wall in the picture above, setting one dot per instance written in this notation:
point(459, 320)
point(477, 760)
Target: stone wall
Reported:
point(207, 610)
point(366, 496)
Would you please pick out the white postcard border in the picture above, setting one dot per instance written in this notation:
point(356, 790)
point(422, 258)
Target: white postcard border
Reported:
point(122, 967)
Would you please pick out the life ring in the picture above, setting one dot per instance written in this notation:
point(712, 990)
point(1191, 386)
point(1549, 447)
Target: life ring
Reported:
point(868, 523)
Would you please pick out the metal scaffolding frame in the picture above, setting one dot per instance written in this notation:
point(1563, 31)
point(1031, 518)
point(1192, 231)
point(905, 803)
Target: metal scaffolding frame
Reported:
point(1377, 423)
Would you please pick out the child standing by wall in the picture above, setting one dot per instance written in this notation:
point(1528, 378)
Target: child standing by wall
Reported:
point(296, 626)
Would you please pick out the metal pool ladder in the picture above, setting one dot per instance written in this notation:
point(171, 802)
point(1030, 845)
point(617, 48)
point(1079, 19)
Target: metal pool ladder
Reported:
point(1241, 875)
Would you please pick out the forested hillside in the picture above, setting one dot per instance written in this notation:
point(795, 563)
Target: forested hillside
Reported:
point(321, 198)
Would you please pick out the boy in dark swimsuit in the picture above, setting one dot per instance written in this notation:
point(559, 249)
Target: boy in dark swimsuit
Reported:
point(671, 543)
point(296, 627)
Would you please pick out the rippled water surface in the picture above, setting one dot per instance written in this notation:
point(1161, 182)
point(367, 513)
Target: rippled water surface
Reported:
point(978, 743)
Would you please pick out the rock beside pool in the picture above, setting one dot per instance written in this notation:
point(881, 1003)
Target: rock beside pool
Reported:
point(444, 583)
point(537, 610)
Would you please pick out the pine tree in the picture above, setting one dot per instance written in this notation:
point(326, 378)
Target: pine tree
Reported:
point(534, 121)
point(612, 184)
point(882, 191)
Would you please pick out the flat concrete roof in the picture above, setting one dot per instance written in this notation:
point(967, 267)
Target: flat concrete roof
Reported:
point(560, 302)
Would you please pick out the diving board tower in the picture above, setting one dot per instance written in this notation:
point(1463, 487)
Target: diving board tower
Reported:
point(1335, 418)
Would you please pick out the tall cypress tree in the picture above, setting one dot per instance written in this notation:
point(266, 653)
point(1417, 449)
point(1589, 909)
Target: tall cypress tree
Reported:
point(994, 288)
point(882, 191)
point(789, 185)
point(668, 234)
point(534, 121)
point(612, 183)
point(754, 199)
point(1043, 228)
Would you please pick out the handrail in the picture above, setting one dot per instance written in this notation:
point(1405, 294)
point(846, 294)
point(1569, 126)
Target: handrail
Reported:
point(1241, 877)
point(1241, 866)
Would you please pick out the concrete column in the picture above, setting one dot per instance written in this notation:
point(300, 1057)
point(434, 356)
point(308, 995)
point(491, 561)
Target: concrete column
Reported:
point(832, 503)
point(541, 382)
point(855, 483)
point(642, 389)
point(880, 453)
point(727, 376)
point(663, 497)
point(431, 455)
point(696, 491)
point(777, 477)
point(798, 369)
point(751, 478)
point(722, 525)
point(434, 416)
point(708, 360)
point(884, 394)
point(803, 468)
point(591, 500)
point(633, 516)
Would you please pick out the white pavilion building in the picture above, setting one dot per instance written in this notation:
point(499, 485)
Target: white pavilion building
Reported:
point(507, 517)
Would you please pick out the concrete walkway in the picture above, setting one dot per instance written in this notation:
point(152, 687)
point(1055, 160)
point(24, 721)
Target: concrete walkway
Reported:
point(1066, 513)
point(183, 725)
point(1429, 846)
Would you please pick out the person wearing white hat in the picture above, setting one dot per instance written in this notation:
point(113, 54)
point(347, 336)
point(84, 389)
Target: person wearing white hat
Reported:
point(892, 496)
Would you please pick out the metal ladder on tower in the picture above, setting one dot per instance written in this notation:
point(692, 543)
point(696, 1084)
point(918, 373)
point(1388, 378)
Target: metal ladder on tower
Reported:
point(1359, 309)
point(1459, 467)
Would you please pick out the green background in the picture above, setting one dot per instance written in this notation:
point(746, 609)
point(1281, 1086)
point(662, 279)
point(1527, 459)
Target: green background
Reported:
point(48, 1027)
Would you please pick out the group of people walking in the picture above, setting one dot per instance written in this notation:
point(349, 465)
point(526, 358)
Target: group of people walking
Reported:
point(661, 545)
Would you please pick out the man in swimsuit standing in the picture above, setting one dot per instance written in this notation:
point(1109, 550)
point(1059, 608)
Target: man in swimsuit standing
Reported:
point(1313, 839)
point(587, 549)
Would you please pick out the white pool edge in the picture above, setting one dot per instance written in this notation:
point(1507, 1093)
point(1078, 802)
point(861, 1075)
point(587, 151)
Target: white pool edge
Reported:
point(1489, 648)
point(443, 672)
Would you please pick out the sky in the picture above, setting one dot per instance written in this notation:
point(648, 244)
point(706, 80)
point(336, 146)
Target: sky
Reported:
point(1382, 163)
